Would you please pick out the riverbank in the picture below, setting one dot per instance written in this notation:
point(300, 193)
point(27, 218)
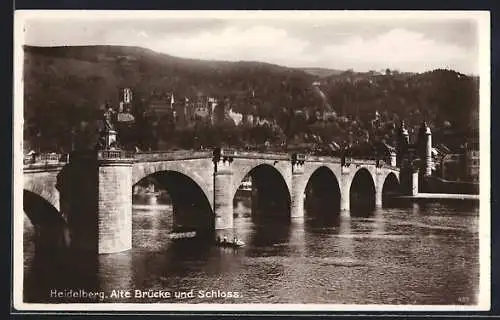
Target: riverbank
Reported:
point(452, 196)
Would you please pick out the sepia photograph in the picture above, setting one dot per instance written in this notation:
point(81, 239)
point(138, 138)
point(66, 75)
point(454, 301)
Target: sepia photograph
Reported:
point(251, 160)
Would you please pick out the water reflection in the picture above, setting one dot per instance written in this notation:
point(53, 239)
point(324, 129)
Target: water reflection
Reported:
point(112, 264)
point(415, 208)
point(378, 222)
point(297, 236)
point(266, 239)
point(412, 254)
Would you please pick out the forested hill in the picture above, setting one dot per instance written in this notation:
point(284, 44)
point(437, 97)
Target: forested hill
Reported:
point(91, 74)
point(322, 72)
point(66, 86)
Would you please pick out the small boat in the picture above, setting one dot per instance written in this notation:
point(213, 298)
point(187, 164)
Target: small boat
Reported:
point(230, 244)
point(182, 235)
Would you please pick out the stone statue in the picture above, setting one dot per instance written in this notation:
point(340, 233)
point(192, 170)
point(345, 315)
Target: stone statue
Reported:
point(108, 135)
point(109, 120)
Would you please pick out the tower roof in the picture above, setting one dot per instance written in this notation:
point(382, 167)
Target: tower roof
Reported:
point(425, 129)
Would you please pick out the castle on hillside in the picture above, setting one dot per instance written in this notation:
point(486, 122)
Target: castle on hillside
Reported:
point(455, 164)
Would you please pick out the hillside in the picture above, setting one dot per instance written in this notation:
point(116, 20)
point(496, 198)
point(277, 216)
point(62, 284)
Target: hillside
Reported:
point(322, 72)
point(92, 74)
point(66, 87)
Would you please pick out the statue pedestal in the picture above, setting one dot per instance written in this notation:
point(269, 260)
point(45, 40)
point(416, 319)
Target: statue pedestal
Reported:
point(110, 137)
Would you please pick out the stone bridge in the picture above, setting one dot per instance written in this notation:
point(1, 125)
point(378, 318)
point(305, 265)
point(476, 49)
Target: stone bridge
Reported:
point(90, 195)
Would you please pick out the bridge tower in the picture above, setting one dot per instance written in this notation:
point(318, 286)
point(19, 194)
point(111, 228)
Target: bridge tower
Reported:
point(425, 148)
point(409, 181)
point(403, 140)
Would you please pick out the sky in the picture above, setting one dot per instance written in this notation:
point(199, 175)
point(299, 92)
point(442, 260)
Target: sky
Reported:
point(336, 40)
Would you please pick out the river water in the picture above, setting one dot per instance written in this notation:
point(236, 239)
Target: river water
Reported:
point(416, 253)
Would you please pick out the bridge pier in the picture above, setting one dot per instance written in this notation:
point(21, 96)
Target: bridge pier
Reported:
point(345, 190)
point(223, 198)
point(379, 186)
point(297, 196)
point(415, 188)
point(409, 181)
point(378, 198)
point(114, 232)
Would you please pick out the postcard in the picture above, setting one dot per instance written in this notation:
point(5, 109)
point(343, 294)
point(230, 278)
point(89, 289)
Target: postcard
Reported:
point(251, 160)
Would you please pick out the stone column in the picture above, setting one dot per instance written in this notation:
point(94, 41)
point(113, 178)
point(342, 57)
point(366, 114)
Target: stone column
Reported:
point(114, 202)
point(297, 199)
point(223, 197)
point(345, 189)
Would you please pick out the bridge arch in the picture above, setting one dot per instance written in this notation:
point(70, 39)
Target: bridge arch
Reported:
point(191, 207)
point(322, 192)
point(198, 171)
point(390, 187)
point(391, 180)
point(46, 191)
point(48, 227)
point(242, 168)
point(362, 191)
point(270, 189)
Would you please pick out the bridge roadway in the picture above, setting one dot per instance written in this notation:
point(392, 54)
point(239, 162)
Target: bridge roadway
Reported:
point(92, 193)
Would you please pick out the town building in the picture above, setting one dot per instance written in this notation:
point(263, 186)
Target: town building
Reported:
point(189, 110)
point(161, 104)
point(458, 164)
point(452, 167)
point(472, 161)
point(201, 108)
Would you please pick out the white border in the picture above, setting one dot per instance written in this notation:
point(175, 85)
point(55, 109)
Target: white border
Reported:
point(483, 23)
point(484, 37)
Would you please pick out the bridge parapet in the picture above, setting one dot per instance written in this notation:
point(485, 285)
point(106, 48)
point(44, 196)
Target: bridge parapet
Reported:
point(54, 160)
point(45, 158)
point(171, 155)
point(42, 167)
point(323, 159)
point(234, 153)
point(113, 155)
point(364, 162)
point(379, 163)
